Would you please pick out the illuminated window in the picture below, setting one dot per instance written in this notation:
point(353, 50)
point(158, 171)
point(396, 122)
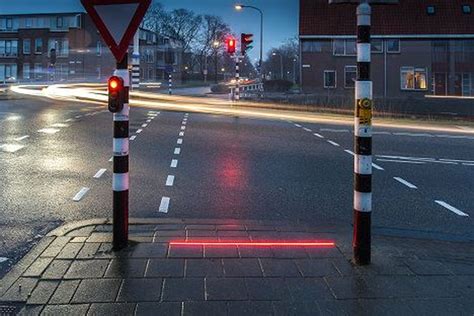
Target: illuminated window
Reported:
point(430, 10)
point(412, 78)
point(330, 79)
point(467, 9)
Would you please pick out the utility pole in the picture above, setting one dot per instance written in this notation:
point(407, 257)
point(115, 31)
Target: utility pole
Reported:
point(136, 61)
point(237, 78)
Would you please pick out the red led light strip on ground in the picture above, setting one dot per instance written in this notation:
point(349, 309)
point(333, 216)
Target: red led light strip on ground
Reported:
point(256, 243)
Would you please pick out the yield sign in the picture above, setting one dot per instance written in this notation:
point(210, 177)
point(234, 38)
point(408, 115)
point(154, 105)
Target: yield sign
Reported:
point(117, 21)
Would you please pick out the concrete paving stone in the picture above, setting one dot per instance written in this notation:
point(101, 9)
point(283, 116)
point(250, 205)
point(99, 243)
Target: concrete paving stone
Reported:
point(264, 235)
point(27, 310)
point(116, 309)
point(290, 252)
point(64, 292)
point(177, 251)
point(164, 308)
point(230, 251)
point(315, 252)
point(234, 239)
point(100, 237)
point(432, 286)
point(200, 227)
point(140, 290)
point(248, 267)
point(230, 227)
point(56, 269)
point(385, 266)
point(87, 269)
point(183, 289)
point(205, 308)
point(37, 267)
point(20, 290)
point(427, 267)
point(225, 289)
point(173, 268)
point(170, 233)
point(267, 228)
point(42, 292)
point(69, 251)
point(279, 268)
point(88, 250)
point(297, 236)
point(309, 308)
point(316, 267)
point(81, 232)
point(70, 310)
point(232, 233)
point(353, 287)
point(266, 289)
point(249, 308)
point(201, 233)
point(390, 307)
point(55, 247)
point(140, 239)
point(173, 227)
point(149, 250)
point(79, 239)
point(343, 266)
point(141, 228)
point(308, 289)
point(439, 307)
point(167, 240)
point(103, 228)
point(96, 290)
point(460, 268)
point(126, 268)
point(204, 268)
point(255, 252)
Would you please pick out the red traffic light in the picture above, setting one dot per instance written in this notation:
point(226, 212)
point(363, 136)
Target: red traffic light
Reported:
point(115, 83)
point(231, 44)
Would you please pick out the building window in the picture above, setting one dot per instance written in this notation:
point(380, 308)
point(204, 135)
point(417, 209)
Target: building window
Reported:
point(28, 23)
point(26, 46)
point(430, 10)
point(467, 9)
point(26, 72)
point(9, 23)
point(8, 72)
point(60, 45)
point(346, 47)
point(377, 46)
point(38, 71)
point(330, 79)
point(38, 46)
point(98, 48)
point(350, 75)
point(59, 22)
point(412, 78)
point(393, 45)
point(311, 46)
point(8, 48)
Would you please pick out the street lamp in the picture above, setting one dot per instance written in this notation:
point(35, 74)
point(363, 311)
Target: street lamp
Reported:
point(240, 7)
point(281, 63)
point(216, 45)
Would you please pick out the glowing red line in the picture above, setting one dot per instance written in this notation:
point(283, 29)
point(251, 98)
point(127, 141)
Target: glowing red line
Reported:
point(255, 244)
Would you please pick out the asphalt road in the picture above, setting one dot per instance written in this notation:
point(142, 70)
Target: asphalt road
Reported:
point(210, 166)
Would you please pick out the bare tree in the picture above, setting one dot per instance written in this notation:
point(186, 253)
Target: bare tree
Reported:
point(183, 25)
point(155, 17)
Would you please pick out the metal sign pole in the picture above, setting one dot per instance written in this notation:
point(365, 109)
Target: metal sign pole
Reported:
point(237, 78)
point(136, 61)
point(120, 181)
point(170, 83)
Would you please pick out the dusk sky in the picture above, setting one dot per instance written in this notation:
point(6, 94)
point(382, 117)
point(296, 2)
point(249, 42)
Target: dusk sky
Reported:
point(281, 16)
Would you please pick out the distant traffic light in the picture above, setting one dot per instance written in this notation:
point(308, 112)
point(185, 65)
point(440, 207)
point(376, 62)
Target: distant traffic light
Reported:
point(116, 91)
point(246, 40)
point(231, 44)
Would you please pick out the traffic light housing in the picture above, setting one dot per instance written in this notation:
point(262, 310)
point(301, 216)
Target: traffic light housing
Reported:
point(231, 44)
point(116, 91)
point(246, 40)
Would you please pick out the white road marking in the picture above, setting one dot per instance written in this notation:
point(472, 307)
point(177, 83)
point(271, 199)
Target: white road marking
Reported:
point(179, 141)
point(333, 143)
point(144, 125)
point(307, 129)
point(80, 194)
point(407, 158)
point(70, 120)
point(334, 130)
point(184, 122)
point(148, 121)
point(78, 116)
point(451, 208)
point(177, 151)
point(170, 181)
point(11, 148)
point(454, 160)
point(174, 163)
point(133, 137)
point(454, 136)
point(405, 182)
point(297, 125)
point(22, 138)
point(349, 152)
point(381, 133)
point(403, 161)
point(468, 164)
point(111, 159)
point(318, 135)
point(99, 173)
point(181, 133)
point(3, 259)
point(139, 131)
point(413, 134)
point(183, 128)
point(48, 130)
point(377, 167)
point(164, 205)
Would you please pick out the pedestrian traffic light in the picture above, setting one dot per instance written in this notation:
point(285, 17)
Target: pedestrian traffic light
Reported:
point(116, 91)
point(246, 40)
point(231, 44)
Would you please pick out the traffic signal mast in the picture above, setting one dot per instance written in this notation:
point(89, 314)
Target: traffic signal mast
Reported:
point(231, 44)
point(116, 93)
point(246, 42)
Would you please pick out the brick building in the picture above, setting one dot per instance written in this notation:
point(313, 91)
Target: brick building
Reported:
point(419, 48)
point(26, 42)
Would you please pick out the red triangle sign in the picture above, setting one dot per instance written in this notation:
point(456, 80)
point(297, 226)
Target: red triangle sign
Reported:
point(117, 21)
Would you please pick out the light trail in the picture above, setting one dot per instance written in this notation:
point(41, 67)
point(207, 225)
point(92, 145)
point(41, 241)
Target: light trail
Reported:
point(255, 243)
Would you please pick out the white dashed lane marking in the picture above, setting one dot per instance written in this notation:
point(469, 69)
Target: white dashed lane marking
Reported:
point(80, 194)
point(99, 173)
point(22, 138)
point(349, 152)
point(170, 181)
point(174, 163)
point(183, 128)
point(451, 208)
point(144, 125)
point(406, 183)
point(179, 141)
point(377, 167)
point(181, 134)
point(333, 143)
point(111, 159)
point(164, 205)
point(298, 125)
point(318, 135)
point(11, 148)
point(139, 131)
point(133, 137)
point(307, 129)
point(177, 151)
point(48, 130)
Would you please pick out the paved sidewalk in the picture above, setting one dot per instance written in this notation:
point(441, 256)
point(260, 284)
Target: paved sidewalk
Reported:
point(73, 271)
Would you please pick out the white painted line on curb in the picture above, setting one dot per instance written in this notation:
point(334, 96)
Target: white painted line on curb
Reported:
point(177, 151)
point(170, 181)
point(164, 205)
point(333, 143)
point(80, 194)
point(139, 131)
point(174, 163)
point(99, 173)
point(405, 182)
point(451, 208)
point(133, 137)
point(22, 138)
point(307, 129)
point(318, 135)
point(179, 141)
point(349, 152)
point(377, 167)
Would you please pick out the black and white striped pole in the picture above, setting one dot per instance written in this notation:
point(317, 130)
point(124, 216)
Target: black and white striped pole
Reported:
point(237, 78)
point(363, 140)
point(170, 83)
point(119, 105)
point(136, 62)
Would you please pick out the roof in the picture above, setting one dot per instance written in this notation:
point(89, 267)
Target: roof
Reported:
point(33, 7)
point(318, 18)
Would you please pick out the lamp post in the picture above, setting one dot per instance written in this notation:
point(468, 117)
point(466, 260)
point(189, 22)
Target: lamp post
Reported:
point(239, 7)
point(281, 63)
point(216, 45)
